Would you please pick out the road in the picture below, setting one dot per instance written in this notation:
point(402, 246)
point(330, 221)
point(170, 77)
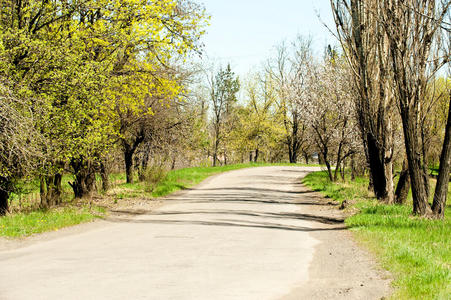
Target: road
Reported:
point(244, 234)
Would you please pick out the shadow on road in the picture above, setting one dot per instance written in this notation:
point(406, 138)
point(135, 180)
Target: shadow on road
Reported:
point(250, 207)
point(234, 223)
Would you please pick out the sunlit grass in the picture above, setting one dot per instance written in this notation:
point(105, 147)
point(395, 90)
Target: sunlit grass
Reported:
point(25, 224)
point(416, 251)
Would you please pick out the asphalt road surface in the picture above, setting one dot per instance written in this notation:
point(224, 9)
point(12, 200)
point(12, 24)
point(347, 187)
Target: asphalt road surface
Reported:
point(245, 234)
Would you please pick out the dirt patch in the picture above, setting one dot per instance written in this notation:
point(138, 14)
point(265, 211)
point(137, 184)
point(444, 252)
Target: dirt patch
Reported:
point(340, 268)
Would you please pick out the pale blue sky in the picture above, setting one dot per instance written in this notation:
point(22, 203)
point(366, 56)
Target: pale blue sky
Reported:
point(245, 32)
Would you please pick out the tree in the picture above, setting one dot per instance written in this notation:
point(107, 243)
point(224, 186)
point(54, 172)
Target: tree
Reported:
point(365, 47)
point(19, 151)
point(413, 35)
point(258, 131)
point(223, 89)
point(441, 188)
point(327, 112)
point(290, 71)
point(80, 58)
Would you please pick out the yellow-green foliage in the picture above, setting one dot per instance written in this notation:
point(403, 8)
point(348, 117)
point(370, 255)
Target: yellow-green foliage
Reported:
point(86, 63)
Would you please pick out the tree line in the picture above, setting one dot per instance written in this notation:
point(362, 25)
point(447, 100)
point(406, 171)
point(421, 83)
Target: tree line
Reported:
point(379, 103)
point(94, 87)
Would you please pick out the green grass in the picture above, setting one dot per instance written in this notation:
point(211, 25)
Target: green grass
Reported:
point(25, 224)
point(416, 251)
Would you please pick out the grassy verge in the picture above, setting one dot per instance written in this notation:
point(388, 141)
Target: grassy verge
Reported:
point(25, 224)
point(415, 250)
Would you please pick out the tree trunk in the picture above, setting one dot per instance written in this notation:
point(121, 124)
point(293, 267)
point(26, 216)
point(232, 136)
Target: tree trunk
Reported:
point(370, 182)
point(215, 152)
point(390, 199)
point(104, 174)
point(342, 170)
point(251, 158)
point(378, 170)
point(4, 204)
point(256, 155)
point(353, 171)
point(329, 169)
point(50, 190)
point(420, 201)
point(128, 158)
point(403, 187)
point(174, 159)
point(85, 178)
point(293, 157)
point(129, 148)
point(441, 187)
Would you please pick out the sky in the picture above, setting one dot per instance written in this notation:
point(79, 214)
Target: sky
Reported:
point(245, 32)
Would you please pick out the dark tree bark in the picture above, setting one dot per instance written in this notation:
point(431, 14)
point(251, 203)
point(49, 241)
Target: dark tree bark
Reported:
point(128, 159)
point(403, 187)
point(441, 187)
point(413, 149)
point(215, 152)
point(256, 155)
point(85, 177)
point(104, 174)
point(306, 157)
point(129, 149)
point(370, 182)
point(379, 170)
point(5, 190)
point(324, 154)
point(4, 203)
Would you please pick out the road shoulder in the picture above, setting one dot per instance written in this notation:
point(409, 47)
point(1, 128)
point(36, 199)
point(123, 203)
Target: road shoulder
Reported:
point(340, 269)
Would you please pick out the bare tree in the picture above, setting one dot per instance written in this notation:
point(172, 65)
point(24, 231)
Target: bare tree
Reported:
point(413, 34)
point(441, 188)
point(365, 46)
point(290, 71)
point(19, 151)
point(327, 112)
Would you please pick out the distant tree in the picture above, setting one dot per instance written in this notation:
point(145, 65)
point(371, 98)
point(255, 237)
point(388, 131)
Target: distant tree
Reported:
point(328, 113)
point(257, 131)
point(290, 72)
point(224, 87)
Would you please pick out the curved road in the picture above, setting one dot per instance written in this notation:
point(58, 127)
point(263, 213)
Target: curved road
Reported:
point(239, 235)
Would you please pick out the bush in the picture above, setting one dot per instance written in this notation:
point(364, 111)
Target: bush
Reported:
point(154, 175)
